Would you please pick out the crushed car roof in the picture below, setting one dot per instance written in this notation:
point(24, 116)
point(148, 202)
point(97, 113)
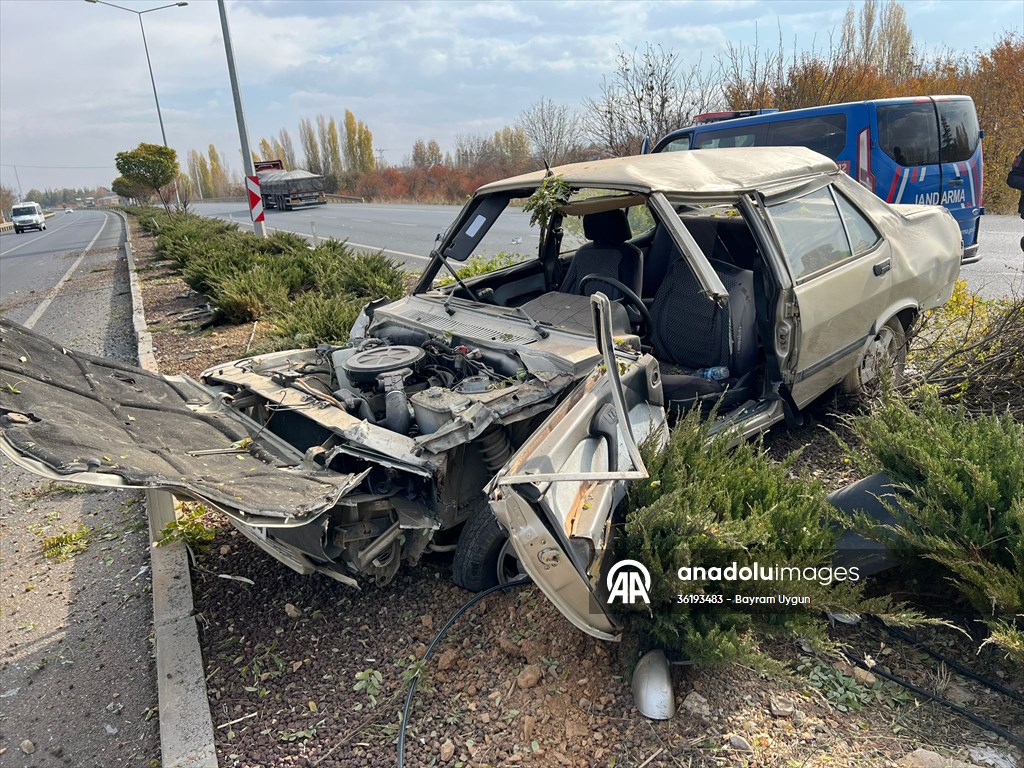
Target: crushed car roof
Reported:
point(698, 171)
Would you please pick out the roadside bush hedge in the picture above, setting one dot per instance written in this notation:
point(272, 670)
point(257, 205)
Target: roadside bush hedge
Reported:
point(962, 503)
point(709, 502)
point(972, 352)
point(311, 296)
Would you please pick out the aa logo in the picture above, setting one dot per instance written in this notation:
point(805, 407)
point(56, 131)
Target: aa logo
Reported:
point(629, 581)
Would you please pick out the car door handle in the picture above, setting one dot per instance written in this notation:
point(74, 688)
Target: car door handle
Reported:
point(956, 182)
point(882, 267)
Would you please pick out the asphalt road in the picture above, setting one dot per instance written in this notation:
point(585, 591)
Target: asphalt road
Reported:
point(77, 678)
point(407, 232)
point(33, 263)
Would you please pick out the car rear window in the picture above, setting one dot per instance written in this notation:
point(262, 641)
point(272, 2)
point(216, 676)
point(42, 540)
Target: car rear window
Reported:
point(907, 133)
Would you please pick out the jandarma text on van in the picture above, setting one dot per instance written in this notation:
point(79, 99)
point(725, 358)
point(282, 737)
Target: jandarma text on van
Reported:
point(824, 575)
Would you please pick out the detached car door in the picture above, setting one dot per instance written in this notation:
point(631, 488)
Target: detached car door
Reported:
point(557, 496)
point(841, 272)
point(84, 419)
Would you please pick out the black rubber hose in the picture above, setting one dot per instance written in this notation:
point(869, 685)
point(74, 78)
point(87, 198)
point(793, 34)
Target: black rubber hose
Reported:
point(430, 650)
point(976, 719)
point(952, 663)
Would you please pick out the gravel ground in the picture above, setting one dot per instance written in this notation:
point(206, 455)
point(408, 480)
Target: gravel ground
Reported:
point(77, 678)
point(304, 672)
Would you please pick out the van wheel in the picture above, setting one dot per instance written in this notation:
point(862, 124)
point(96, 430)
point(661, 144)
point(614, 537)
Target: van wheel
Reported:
point(886, 355)
point(484, 557)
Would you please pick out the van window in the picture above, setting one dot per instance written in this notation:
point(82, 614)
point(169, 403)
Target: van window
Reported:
point(812, 235)
point(907, 134)
point(747, 136)
point(677, 145)
point(825, 134)
point(24, 210)
point(958, 131)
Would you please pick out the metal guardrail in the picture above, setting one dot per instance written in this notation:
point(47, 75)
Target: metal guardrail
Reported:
point(344, 199)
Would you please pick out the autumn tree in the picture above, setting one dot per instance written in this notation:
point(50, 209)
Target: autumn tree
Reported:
point(870, 56)
point(131, 191)
point(287, 148)
point(152, 167)
point(555, 131)
point(330, 151)
point(310, 146)
point(358, 146)
point(648, 95)
point(219, 183)
point(199, 173)
point(426, 154)
point(7, 200)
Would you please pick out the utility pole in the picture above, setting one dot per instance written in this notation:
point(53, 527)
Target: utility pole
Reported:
point(248, 167)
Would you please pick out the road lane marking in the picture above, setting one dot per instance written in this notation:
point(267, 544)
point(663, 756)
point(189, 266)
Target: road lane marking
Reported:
point(42, 234)
point(34, 318)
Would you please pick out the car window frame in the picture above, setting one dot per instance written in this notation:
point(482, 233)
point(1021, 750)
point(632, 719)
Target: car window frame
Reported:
point(805, 278)
point(879, 237)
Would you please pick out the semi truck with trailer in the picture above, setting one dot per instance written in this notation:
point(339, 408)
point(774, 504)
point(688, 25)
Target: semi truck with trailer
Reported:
point(285, 190)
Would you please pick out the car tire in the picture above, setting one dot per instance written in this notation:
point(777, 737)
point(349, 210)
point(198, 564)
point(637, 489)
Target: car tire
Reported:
point(887, 351)
point(484, 556)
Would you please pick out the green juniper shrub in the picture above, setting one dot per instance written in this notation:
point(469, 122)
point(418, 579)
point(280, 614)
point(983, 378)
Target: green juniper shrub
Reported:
point(282, 244)
point(243, 296)
point(481, 265)
point(962, 500)
point(371, 275)
point(709, 502)
point(317, 318)
point(311, 296)
point(204, 274)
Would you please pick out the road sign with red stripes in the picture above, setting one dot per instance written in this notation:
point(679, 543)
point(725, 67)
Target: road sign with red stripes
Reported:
point(252, 186)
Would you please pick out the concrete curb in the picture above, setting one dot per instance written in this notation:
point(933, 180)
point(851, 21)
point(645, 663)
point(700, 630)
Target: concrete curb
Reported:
point(186, 727)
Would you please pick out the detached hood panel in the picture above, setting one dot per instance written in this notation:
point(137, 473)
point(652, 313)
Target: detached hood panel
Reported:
point(95, 421)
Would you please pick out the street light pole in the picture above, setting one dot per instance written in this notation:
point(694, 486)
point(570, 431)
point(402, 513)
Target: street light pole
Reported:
point(243, 134)
point(149, 63)
point(152, 80)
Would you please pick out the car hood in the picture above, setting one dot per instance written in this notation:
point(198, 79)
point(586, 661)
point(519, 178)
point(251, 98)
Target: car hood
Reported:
point(85, 419)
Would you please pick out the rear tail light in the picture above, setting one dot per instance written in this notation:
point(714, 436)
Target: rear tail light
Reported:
point(864, 175)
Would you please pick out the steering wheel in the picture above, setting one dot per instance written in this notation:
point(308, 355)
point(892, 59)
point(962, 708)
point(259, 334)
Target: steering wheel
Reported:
point(628, 296)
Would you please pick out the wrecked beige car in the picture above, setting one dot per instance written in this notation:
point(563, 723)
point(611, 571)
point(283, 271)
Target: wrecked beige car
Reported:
point(513, 402)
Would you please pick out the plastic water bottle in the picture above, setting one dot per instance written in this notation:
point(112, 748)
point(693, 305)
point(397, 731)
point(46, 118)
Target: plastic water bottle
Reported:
point(715, 373)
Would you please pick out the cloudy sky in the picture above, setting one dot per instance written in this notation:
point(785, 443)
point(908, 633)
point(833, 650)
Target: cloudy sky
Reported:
point(74, 88)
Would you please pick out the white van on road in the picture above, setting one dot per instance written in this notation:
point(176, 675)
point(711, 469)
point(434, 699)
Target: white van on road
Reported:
point(27, 216)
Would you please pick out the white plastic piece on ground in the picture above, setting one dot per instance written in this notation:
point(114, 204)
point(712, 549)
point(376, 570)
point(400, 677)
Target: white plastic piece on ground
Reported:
point(652, 687)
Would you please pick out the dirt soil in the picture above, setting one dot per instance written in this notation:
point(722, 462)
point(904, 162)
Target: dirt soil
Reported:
point(302, 671)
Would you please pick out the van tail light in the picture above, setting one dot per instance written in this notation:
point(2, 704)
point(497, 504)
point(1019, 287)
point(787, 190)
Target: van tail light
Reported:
point(864, 174)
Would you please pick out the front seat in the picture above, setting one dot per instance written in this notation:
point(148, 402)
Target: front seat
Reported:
point(608, 254)
point(692, 332)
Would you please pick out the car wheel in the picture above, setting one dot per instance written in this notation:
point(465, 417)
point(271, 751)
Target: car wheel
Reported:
point(886, 352)
point(484, 557)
